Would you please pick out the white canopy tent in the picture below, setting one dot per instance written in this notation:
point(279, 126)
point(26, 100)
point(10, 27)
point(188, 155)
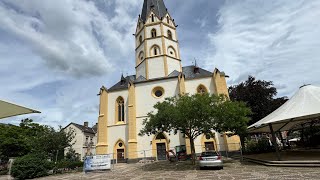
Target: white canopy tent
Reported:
point(8, 110)
point(304, 106)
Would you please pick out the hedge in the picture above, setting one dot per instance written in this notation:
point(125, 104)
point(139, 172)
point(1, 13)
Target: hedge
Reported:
point(31, 166)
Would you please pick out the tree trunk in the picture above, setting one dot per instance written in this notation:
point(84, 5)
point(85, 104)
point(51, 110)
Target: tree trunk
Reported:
point(242, 141)
point(193, 152)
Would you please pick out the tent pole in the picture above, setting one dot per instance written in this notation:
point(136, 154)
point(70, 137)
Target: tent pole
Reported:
point(274, 141)
point(282, 140)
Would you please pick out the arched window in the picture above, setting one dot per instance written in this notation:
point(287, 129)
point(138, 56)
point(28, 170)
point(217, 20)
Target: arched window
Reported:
point(169, 34)
point(120, 109)
point(202, 89)
point(155, 50)
point(168, 20)
point(153, 33)
point(140, 39)
point(152, 18)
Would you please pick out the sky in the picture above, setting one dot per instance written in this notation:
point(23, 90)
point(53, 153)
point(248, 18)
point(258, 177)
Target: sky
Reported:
point(55, 55)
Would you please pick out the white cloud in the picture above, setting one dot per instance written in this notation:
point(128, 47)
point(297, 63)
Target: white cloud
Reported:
point(55, 55)
point(73, 36)
point(272, 40)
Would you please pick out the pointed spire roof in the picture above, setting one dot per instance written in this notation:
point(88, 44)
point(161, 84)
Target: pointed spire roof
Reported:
point(123, 80)
point(158, 6)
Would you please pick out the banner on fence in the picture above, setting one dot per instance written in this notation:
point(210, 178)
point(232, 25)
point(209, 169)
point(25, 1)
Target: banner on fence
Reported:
point(98, 162)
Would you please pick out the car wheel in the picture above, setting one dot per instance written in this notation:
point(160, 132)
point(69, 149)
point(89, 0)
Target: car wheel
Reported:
point(221, 168)
point(201, 168)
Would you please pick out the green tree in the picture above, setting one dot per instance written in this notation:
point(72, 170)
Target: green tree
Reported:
point(13, 142)
point(194, 115)
point(30, 137)
point(259, 95)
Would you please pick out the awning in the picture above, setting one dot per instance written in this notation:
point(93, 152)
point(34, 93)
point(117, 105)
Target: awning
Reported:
point(304, 106)
point(8, 110)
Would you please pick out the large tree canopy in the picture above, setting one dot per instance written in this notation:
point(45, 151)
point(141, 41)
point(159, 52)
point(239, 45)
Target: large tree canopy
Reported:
point(29, 137)
point(194, 115)
point(259, 96)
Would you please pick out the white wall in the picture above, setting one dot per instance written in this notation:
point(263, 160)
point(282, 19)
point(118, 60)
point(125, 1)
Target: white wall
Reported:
point(79, 141)
point(156, 67)
point(149, 28)
point(114, 134)
point(112, 97)
point(141, 70)
point(173, 64)
point(173, 31)
point(144, 98)
point(192, 85)
point(174, 45)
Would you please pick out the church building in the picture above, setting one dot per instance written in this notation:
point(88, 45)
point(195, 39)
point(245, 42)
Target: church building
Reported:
point(159, 74)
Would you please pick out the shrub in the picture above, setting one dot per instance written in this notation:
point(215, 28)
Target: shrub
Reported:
point(31, 166)
point(66, 166)
point(260, 146)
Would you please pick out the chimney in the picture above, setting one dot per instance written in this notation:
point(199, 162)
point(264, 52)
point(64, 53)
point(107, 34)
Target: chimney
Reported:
point(85, 124)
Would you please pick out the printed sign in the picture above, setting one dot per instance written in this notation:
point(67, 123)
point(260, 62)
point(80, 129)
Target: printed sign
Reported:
point(98, 162)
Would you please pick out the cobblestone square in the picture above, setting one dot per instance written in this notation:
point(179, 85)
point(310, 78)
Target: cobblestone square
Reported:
point(233, 170)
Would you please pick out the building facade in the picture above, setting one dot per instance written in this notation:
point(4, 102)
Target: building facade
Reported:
point(159, 74)
point(85, 140)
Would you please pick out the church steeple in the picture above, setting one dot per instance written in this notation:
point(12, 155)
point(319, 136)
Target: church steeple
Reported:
point(157, 6)
point(157, 46)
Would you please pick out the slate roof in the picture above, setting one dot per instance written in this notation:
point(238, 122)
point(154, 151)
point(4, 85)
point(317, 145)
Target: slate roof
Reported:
point(158, 6)
point(189, 72)
point(86, 129)
point(123, 83)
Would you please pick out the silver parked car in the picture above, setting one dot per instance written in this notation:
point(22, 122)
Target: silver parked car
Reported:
point(210, 159)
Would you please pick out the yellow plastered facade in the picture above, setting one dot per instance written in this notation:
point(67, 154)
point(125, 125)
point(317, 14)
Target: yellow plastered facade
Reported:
point(233, 142)
point(102, 146)
point(156, 141)
point(211, 140)
point(220, 83)
point(116, 147)
point(132, 142)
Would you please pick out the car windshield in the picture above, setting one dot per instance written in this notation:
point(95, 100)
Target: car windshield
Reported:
point(207, 154)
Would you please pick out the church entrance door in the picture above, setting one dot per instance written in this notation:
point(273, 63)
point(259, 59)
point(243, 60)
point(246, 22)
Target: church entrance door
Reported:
point(161, 151)
point(120, 156)
point(209, 146)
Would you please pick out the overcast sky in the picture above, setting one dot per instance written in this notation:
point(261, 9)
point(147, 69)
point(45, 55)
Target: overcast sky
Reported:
point(55, 55)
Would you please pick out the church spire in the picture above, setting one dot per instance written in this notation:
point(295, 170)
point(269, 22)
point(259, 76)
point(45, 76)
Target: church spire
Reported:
point(158, 7)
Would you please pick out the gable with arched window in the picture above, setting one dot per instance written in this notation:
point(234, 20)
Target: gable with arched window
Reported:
point(201, 89)
point(169, 34)
point(153, 33)
point(119, 110)
point(155, 50)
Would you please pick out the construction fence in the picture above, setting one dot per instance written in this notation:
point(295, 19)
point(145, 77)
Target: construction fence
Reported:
point(231, 150)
